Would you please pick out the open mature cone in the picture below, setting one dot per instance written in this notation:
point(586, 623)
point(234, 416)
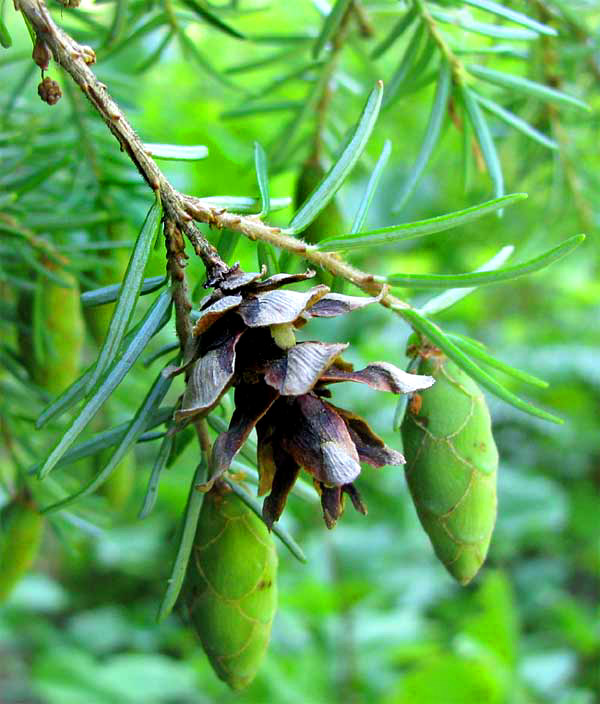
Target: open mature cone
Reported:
point(245, 338)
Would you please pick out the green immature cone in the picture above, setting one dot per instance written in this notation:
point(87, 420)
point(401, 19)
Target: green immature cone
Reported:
point(231, 589)
point(52, 347)
point(451, 466)
point(21, 528)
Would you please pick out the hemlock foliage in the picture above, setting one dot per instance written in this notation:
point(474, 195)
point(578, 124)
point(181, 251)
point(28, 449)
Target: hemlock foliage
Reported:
point(434, 153)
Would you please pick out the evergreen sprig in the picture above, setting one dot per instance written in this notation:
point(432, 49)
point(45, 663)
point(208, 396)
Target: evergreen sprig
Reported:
point(90, 182)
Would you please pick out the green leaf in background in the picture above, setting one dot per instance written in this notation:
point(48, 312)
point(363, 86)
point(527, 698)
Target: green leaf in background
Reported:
point(365, 203)
point(228, 241)
point(525, 86)
point(118, 23)
point(19, 87)
point(140, 422)
point(68, 398)
point(265, 62)
point(283, 146)
point(283, 39)
point(128, 293)
point(395, 33)
point(466, 151)
point(68, 221)
point(109, 294)
point(201, 9)
point(262, 176)
point(451, 679)
point(334, 178)
point(154, 57)
point(77, 390)
point(305, 72)
point(186, 540)
point(495, 624)
point(432, 132)
point(26, 180)
point(399, 78)
point(330, 25)
point(515, 121)
point(7, 199)
point(420, 228)
point(108, 438)
point(5, 38)
point(174, 152)
point(189, 48)
point(495, 31)
point(504, 50)
point(249, 110)
point(454, 295)
point(161, 351)
point(483, 278)
point(142, 30)
point(485, 139)
point(517, 17)
point(159, 464)
point(440, 339)
point(44, 271)
point(157, 317)
point(478, 352)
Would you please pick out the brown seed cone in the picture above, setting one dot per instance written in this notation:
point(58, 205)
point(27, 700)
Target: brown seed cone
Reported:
point(49, 91)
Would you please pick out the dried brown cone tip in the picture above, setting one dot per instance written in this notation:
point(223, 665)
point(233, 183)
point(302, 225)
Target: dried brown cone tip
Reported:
point(49, 91)
point(244, 338)
point(71, 3)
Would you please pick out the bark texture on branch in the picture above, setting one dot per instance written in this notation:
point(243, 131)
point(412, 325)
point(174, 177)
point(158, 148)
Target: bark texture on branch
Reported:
point(75, 59)
point(181, 210)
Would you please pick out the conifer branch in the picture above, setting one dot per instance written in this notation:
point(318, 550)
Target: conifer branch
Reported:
point(181, 210)
point(75, 59)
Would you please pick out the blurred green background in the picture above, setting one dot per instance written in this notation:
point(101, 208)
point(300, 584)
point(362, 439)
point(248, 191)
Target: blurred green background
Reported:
point(372, 616)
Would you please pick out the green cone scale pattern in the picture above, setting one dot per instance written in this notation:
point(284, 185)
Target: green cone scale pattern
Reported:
point(231, 589)
point(451, 466)
point(21, 528)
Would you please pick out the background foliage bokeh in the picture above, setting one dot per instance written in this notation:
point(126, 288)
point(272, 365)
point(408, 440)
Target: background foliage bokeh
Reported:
point(372, 616)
